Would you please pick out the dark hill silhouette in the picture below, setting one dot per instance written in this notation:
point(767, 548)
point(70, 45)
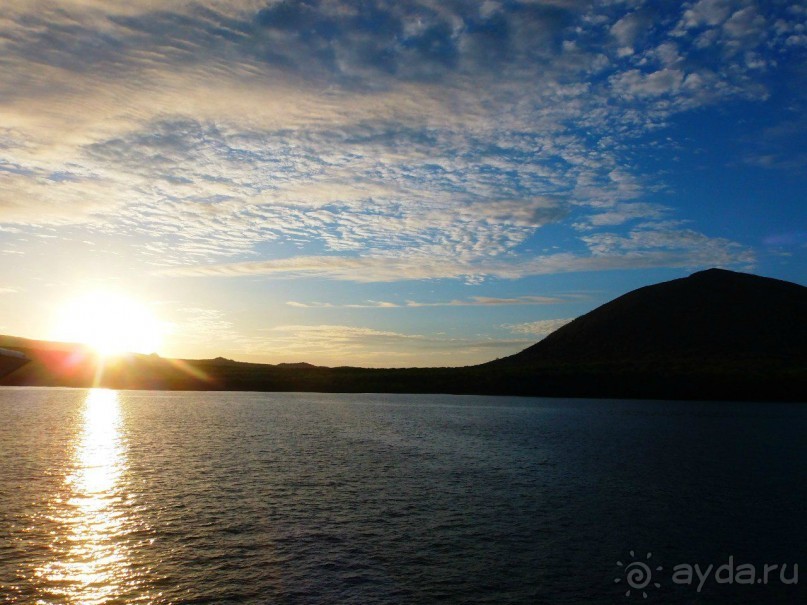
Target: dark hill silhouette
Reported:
point(714, 315)
point(714, 335)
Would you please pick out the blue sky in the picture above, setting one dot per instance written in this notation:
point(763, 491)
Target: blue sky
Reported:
point(391, 183)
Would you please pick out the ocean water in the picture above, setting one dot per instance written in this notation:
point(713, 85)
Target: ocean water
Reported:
point(156, 497)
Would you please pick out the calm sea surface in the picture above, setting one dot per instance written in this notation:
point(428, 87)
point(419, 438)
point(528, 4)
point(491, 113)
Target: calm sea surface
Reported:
point(153, 497)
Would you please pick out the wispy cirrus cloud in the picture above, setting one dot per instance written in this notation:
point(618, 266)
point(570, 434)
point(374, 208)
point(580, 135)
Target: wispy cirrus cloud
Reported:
point(351, 345)
point(493, 301)
point(474, 301)
point(370, 304)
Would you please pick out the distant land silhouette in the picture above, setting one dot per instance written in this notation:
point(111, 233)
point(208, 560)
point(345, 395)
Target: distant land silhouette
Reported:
point(716, 334)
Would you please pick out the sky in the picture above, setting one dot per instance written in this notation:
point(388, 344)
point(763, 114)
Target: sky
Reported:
point(379, 183)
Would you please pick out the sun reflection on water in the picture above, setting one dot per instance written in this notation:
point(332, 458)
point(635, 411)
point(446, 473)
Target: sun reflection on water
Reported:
point(92, 564)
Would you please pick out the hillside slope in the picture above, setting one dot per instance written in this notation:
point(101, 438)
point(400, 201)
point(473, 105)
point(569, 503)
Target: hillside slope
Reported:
point(714, 316)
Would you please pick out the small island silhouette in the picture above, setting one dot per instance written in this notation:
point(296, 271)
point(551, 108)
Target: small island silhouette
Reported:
point(716, 334)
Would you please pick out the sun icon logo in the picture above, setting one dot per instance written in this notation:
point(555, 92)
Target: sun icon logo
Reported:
point(638, 575)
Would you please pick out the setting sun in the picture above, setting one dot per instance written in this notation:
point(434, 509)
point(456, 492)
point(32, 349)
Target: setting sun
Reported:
point(109, 323)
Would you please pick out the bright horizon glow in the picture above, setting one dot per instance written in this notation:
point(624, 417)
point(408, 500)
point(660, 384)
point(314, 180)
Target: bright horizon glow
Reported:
point(110, 323)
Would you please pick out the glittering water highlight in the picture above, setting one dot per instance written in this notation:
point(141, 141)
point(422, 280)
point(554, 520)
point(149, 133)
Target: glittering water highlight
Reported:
point(148, 497)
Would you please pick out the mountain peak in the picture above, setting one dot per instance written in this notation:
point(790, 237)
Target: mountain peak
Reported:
point(715, 272)
point(714, 315)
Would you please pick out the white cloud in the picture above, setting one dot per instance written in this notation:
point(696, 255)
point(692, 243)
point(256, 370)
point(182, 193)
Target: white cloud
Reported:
point(634, 83)
point(667, 54)
point(745, 23)
point(474, 301)
point(692, 249)
point(620, 214)
point(628, 28)
point(540, 329)
point(370, 304)
point(644, 247)
point(492, 301)
point(38, 200)
point(706, 12)
point(213, 131)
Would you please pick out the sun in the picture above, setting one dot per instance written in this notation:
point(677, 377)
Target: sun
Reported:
point(110, 323)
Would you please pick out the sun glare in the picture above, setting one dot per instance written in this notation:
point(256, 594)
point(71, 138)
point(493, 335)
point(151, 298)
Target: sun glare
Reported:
point(109, 323)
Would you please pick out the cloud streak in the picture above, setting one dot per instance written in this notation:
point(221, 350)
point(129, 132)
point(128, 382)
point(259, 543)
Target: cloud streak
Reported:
point(362, 345)
point(474, 301)
point(640, 249)
point(539, 329)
